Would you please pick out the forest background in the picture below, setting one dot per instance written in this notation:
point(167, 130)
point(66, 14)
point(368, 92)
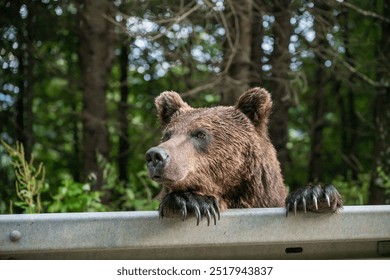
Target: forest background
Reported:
point(78, 81)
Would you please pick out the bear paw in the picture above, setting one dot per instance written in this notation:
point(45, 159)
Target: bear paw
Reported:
point(314, 198)
point(184, 203)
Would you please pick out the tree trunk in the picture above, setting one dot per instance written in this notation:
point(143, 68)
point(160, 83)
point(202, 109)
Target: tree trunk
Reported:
point(237, 54)
point(353, 128)
point(19, 105)
point(318, 123)
point(349, 131)
point(96, 37)
point(123, 110)
point(256, 49)
point(279, 84)
point(75, 165)
point(344, 135)
point(24, 104)
point(29, 85)
point(322, 26)
point(381, 168)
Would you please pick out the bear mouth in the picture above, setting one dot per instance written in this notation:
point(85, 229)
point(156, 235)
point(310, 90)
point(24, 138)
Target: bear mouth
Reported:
point(166, 178)
point(157, 178)
point(161, 179)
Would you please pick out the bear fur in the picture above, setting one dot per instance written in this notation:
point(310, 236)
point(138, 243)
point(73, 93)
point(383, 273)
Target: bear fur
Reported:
point(212, 159)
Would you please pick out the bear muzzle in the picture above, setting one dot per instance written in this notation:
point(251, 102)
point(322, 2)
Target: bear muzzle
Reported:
point(156, 160)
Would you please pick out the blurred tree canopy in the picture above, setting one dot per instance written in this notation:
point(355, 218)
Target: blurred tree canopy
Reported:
point(78, 80)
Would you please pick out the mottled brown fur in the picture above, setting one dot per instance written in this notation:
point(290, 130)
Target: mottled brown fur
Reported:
point(240, 167)
point(221, 154)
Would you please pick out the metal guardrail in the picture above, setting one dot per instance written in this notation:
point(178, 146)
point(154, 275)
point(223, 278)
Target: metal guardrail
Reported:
point(355, 232)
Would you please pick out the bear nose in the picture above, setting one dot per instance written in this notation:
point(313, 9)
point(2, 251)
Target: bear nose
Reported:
point(156, 156)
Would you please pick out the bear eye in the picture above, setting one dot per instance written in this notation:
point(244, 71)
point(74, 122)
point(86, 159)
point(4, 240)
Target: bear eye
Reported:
point(167, 135)
point(201, 139)
point(200, 135)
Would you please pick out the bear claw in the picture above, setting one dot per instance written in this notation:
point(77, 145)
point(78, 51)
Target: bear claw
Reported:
point(314, 198)
point(184, 203)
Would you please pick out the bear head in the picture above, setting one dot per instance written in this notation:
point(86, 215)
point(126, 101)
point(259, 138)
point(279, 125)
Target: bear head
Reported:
point(222, 151)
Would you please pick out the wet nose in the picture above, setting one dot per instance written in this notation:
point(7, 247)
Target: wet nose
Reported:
point(156, 156)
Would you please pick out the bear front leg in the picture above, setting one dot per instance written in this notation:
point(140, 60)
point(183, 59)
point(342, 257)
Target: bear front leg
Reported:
point(184, 203)
point(314, 198)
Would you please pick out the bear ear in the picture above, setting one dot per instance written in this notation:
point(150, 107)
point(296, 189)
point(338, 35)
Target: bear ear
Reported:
point(169, 103)
point(256, 104)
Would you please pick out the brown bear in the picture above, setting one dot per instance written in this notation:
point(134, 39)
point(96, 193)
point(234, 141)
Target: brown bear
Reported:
point(212, 159)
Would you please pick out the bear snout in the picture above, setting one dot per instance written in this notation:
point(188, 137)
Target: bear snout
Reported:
point(156, 156)
point(156, 159)
point(165, 165)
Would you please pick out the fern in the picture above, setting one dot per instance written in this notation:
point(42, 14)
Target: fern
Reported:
point(30, 181)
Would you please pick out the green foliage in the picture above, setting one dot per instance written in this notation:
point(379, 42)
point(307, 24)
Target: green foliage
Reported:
point(75, 197)
point(42, 61)
point(383, 180)
point(127, 197)
point(353, 192)
point(30, 181)
point(71, 196)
